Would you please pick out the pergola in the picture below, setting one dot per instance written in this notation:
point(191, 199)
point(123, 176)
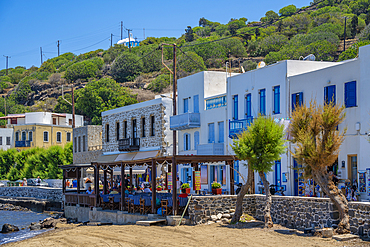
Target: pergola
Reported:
point(109, 163)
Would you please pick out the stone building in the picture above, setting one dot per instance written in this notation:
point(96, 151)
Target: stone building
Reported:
point(87, 144)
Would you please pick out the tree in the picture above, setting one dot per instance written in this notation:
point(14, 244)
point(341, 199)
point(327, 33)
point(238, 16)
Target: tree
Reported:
point(189, 34)
point(270, 17)
point(314, 131)
point(261, 145)
point(354, 25)
point(288, 10)
point(190, 62)
point(84, 69)
point(126, 67)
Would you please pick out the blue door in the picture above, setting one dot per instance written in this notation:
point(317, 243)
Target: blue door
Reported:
point(211, 133)
point(263, 101)
point(196, 140)
point(278, 174)
point(220, 132)
point(248, 105)
point(196, 103)
point(235, 107)
point(187, 176)
point(236, 171)
point(186, 105)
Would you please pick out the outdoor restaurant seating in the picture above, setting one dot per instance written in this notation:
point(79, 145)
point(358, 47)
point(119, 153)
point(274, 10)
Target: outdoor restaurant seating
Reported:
point(104, 201)
point(145, 205)
point(115, 201)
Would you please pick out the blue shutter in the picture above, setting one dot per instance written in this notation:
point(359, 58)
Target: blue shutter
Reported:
point(185, 142)
point(300, 98)
point(248, 107)
point(329, 94)
point(196, 140)
point(186, 105)
point(277, 100)
point(294, 100)
point(263, 101)
point(196, 103)
point(221, 132)
point(211, 133)
point(235, 112)
point(278, 174)
point(350, 94)
point(189, 142)
point(236, 171)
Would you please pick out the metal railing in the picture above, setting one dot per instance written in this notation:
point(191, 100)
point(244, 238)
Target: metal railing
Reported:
point(185, 121)
point(129, 144)
point(210, 149)
point(73, 199)
point(21, 144)
point(236, 127)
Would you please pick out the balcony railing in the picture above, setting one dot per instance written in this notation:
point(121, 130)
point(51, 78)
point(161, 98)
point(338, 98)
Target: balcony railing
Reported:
point(236, 127)
point(185, 121)
point(129, 144)
point(22, 144)
point(211, 149)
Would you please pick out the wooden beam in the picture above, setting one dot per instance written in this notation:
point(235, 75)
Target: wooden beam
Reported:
point(123, 187)
point(111, 178)
point(232, 189)
point(154, 187)
point(97, 184)
point(78, 180)
point(64, 181)
point(131, 182)
point(174, 185)
point(105, 183)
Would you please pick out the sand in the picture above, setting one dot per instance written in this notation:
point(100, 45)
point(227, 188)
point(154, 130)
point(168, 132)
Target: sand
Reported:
point(205, 235)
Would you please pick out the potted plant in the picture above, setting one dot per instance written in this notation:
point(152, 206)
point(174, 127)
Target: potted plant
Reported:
point(159, 188)
point(216, 188)
point(186, 186)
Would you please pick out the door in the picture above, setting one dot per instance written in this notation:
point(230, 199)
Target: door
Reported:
point(352, 168)
point(211, 133)
point(134, 128)
point(277, 175)
point(220, 132)
point(196, 103)
point(295, 165)
point(196, 140)
point(187, 176)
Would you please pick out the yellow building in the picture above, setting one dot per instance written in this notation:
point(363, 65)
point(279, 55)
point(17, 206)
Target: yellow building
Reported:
point(41, 129)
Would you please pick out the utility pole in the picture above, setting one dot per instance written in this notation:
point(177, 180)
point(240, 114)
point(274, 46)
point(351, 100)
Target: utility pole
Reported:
point(129, 39)
point(345, 25)
point(73, 107)
point(174, 163)
point(144, 32)
point(121, 29)
point(111, 39)
point(58, 48)
point(41, 54)
point(7, 58)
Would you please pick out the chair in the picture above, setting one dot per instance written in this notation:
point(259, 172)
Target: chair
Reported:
point(145, 205)
point(182, 203)
point(135, 206)
point(114, 201)
point(104, 201)
point(166, 205)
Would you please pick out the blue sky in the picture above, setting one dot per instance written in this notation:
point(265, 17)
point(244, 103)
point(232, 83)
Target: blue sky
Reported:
point(86, 25)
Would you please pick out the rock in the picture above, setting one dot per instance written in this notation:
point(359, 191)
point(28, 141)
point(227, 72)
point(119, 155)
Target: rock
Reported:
point(214, 217)
point(219, 216)
point(327, 232)
point(9, 228)
point(210, 222)
point(232, 210)
point(345, 237)
point(218, 221)
point(34, 226)
point(226, 216)
point(51, 222)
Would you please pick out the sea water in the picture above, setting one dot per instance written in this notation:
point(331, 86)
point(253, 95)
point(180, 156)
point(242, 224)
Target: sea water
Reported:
point(21, 219)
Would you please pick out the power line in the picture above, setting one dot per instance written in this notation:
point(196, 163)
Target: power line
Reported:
point(200, 66)
point(91, 45)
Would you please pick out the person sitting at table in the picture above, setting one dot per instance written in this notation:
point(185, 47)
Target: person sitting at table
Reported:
point(89, 191)
point(147, 190)
point(183, 194)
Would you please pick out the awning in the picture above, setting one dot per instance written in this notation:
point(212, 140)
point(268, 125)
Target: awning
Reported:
point(117, 170)
point(146, 155)
point(106, 158)
point(126, 156)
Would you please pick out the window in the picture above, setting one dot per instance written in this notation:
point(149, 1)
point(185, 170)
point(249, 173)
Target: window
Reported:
point(107, 133)
point(196, 140)
point(8, 140)
point(13, 121)
point(186, 105)
point(23, 135)
point(46, 136)
point(211, 133)
point(83, 143)
point(134, 128)
point(235, 107)
point(16, 136)
point(204, 174)
point(30, 136)
point(68, 136)
point(350, 94)
point(59, 136)
point(152, 129)
point(329, 94)
point(1, 140)
point(69, 121)
point(297, 100)
point(262, 93)
point(248, 105)
point(186, 142)
point(196, 103)
point(75, 144)
point(143, 127)
point(54, 121)
point(125, 129)
point(276, 100)
point(352, 168)
point(220, 132)
point(79, 144)
point(117, 131)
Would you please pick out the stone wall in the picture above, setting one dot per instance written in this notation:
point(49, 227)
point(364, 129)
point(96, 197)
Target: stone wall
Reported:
point(51, 194)
point(145, 112)
point(93, 144)
point(290, 211)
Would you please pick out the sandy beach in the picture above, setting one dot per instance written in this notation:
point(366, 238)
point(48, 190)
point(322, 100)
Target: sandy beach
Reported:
point(205, 235)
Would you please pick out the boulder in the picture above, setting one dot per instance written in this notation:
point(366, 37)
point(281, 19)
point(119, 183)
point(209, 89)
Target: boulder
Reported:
point(214, 217)
point(35, 226)
point(327, 232)
point(219, 216)
point(9, 228)
point(226, 216)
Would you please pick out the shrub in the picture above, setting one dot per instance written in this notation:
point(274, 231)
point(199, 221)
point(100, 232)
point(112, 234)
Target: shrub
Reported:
point(185, 186)
point(85, 69)
point(216, 185)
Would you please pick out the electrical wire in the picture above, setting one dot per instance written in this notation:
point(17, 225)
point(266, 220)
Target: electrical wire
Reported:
point(200, 66)
point(92, 44)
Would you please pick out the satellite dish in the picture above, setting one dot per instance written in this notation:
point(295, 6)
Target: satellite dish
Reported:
point(261, 65)
point(310, 57)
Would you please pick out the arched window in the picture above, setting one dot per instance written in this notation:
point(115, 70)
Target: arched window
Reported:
point(59, 136)
point(46, 136)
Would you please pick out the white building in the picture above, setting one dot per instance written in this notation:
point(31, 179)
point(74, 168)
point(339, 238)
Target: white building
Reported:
point(6, 138)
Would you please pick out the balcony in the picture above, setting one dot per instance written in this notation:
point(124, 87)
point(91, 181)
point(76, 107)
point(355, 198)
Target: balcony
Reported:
point(22, 144)
point(129, 144)
point(211, 149)
point(185, 121)
point(236, 127)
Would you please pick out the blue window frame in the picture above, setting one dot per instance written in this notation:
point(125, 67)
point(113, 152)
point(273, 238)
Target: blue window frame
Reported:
point(236, 171)
point(248, 105)
point(220, 132)
point(276, 100)
point(329, 94)
point(350, 94)
point(235, 107)
point(196, 140)
point(297, 99)
point(211, 133)
point(262, 93)
point(196, 103)
point(186, 105)
point(187, 142)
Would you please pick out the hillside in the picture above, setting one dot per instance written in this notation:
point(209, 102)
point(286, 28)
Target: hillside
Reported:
point(106, 79)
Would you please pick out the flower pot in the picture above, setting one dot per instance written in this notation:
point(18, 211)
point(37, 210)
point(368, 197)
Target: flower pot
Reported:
point(187, 190)
point(159, 189)
point(217, 191)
